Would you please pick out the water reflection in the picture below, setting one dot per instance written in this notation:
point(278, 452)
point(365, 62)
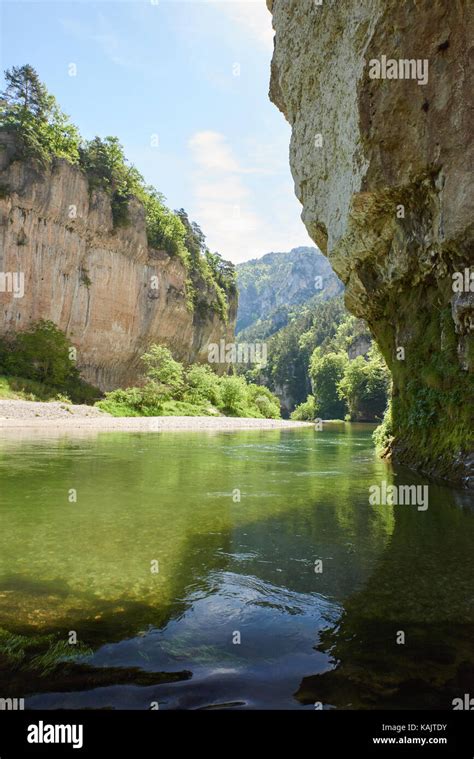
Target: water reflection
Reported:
point(228, 567)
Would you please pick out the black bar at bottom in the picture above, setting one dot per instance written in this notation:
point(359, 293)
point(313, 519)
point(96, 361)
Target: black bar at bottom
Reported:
point(152, 733)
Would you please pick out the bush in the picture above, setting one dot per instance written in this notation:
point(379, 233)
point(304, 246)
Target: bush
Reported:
point(233, 396)
point(134, 401)
point(202, 386)
point(41, 354)
point(305, 412)
point(383, 435)
point(198, 391)
point(262, 401)
point(166, 374)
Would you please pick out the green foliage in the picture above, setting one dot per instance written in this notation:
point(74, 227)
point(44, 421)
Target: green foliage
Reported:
point(164, 372)
point(259, 398)
point(207, 269)
point(134, 401)
point(170, 389)
point(289, 350)
point(305, 412)
point(383, 434)
point(233, 396)
point(30, 113)
point(365, 385)
point(202, 386)
point(41, 354)
point(20, 388)
point(42, 132)
point(165, 381)
point(164, 228)
point(327, 370)
point(107, 169)
point(309, 358)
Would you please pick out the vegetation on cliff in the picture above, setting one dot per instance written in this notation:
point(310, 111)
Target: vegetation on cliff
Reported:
point(272, 289)
point(355, 388)
point(43, 133)
point(324, 364)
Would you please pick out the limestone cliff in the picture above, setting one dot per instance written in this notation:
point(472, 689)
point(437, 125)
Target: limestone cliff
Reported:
point(383, 168)
point(103, 286)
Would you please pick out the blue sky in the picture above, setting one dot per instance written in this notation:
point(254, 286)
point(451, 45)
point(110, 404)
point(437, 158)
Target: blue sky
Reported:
point(183, 84)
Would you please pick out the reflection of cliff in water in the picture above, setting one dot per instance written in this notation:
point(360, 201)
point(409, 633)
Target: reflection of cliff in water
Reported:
point(423, 586)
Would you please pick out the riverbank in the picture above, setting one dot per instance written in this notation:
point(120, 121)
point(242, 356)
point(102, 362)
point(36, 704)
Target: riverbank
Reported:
point(64, 416)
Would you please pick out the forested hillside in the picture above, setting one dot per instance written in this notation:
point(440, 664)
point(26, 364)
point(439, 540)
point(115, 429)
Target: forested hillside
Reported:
point(272, 289)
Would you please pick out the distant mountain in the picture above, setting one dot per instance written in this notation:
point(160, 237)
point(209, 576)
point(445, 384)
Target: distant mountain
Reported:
point(272, 288)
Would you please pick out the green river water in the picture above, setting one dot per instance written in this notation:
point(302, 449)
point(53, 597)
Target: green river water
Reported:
point(236, 615)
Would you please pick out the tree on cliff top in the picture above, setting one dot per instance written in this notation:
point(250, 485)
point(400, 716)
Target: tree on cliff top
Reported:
point(32, 115)
point(25, 91)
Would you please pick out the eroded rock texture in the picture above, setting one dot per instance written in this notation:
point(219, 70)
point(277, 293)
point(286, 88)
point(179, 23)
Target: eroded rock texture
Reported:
point(103, 286)
point(383, 168)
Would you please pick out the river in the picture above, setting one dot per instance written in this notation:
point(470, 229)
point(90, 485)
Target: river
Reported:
point(238, 570)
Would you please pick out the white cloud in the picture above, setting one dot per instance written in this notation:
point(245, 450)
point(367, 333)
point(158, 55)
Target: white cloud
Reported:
point(239, 222)
point(253, 16)
point(211, 152)
point(222, 201)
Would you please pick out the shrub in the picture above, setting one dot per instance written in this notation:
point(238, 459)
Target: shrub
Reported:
point(202, 386)
point(166, 373)
point(305, 412)
point(262, 401)
point(383, 434)
point(41, 354)
point(233, 396)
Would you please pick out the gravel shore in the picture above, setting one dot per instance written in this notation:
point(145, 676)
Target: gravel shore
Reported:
point(19, 415)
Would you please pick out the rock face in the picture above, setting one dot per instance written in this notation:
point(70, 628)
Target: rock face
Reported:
point(269, 286)
point(103, 286)
point(383, 168)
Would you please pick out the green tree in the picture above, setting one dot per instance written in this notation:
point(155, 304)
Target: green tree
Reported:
point(32, 115)
point(165, 229)
point(305, 412)
point(263, 402)
point(26, 92)
point(326, 372)
point(40, 353)
point(166, 373)
point(202, 386)
point(234, 395)
point(365, 385)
